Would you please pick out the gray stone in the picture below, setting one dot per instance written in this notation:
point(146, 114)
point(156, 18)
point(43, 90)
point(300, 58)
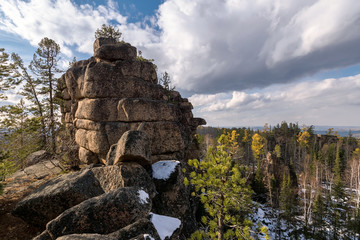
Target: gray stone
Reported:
point(57, 195)
point(87, 156)
point(36, 157)
point(103, 214)
point(102, 41)
point(104, 80)
point(128, 174)
point(94, 141)
point(43, 236)
point(125, 110)
point(114, 52)
point(86, 236)
point(133, 146)
point(140, 227)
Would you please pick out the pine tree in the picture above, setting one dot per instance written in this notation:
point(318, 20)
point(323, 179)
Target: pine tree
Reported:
point(318, 217)
point(108, 31)
point(338, 210)
point(221, 186)
point(21, 136)
point(45, 66)
point(31, 91)
point(287, 200)
point(257, 146)
point(7, 80)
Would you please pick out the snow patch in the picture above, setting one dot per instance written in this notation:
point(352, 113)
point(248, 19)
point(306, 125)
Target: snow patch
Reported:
point(143, 197)
point(165, 225)
point(163, 169)
point(260, 213)
point(148, 237)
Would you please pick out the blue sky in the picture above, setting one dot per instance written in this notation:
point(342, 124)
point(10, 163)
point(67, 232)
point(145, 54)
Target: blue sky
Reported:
point(240, 62)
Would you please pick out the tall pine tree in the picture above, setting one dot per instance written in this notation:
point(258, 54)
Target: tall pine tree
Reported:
point(222, 187)
point(45, 66)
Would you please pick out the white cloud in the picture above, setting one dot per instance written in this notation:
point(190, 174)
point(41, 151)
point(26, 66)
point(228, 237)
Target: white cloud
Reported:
point(68, 24)
point(330, 101)
point(222, 49)
point(208, 46)
point(215, 46)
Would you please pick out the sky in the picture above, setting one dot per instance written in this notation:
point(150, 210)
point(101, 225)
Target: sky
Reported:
point(240, 62)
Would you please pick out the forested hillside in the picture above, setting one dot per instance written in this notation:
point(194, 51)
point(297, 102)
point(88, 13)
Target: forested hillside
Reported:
point(305, 185)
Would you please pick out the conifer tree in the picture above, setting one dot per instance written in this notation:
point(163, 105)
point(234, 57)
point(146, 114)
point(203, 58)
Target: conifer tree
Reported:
point(338, 210)
point(221, 186)
point(257, 146)
point(31, 90)
point(45, 66)
point(7, 80)
point(21, 135)
point(108, 31)
point(318, 216)
point(287, 200)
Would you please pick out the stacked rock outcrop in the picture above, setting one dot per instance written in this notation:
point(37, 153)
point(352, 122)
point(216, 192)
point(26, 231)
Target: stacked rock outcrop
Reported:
point(121, 117)
point(112, 93)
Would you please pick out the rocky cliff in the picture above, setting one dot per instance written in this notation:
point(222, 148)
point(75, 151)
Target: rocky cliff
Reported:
point(112, 93)
point(135, 137)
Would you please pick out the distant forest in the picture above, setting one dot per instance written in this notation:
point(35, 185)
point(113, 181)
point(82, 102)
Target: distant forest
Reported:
point(311, 181)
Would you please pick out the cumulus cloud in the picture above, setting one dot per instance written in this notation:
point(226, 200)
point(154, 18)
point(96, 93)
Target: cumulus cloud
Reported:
point(69, 24)
point(329, 102)
point(208, 46)
point(215, 46)
point(241, 60)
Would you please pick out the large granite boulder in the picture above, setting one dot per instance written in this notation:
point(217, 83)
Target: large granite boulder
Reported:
point(126, 174)
point(57, 195)
point(103, 214)
point(66, 191)
point(133, 146)
point(140, 229)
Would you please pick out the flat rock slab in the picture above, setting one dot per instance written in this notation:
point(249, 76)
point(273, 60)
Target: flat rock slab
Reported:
point(103, 214)
point(57, 195)
point(142, 227)
point(30, 178)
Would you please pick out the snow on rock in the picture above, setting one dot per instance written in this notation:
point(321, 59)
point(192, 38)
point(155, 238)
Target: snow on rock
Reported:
point(163, 169)
point(165, 225)
point(260, 213)
point(143, 196)
point(148, 237)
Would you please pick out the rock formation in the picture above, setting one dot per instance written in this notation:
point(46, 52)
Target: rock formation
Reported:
point(135, 137)
point(112, 93)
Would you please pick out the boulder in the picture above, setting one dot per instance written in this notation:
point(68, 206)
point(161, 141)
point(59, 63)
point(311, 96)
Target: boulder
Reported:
point(43, 236)
point(103, 214)
point(87, 156)
point(36, 157)
point(128, 174)
point(141, 227)
point(103, 41)
point(113, 52)
point(86, 236)
point(57, 195)
point(94, 141)
point(165, 174)
point(133, 146)
point(173, 197)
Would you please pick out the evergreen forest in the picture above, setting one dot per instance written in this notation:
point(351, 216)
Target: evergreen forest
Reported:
point(290, 183)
